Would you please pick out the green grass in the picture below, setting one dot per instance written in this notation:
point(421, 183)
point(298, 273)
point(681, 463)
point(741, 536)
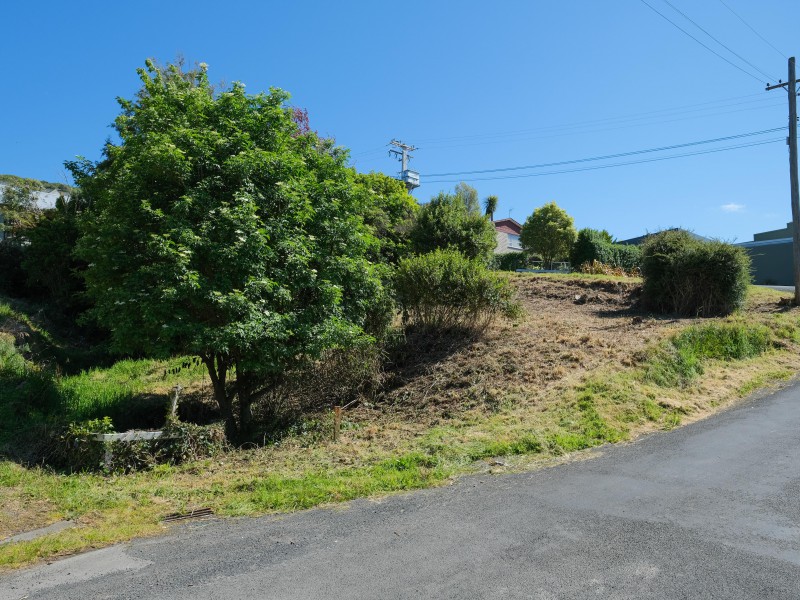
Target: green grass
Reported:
point(132, 392)
point(680, 359)
point(122, 391)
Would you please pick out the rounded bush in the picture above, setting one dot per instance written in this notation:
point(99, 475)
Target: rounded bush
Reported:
point(445, 290)
point(688, 276)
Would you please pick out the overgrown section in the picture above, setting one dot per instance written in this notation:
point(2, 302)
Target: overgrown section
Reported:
point(37, 397)
point(522, 393)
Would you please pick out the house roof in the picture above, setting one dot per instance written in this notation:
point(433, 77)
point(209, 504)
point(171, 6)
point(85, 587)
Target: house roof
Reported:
point(508, 226)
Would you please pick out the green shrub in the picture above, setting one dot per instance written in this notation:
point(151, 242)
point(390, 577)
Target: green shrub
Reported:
point(49, 264)
point(510, 261)
point(447, 222)
point(688, 276)
point(77, 450)
point(444, 290)
point(593, 245)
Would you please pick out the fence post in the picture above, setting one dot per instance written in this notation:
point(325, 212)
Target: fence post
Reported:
point(173, 401)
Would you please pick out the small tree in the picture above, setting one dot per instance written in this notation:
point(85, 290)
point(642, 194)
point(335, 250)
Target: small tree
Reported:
point(389, 211)
point(49, 261)
point(18, 205)
point(548, 232)
point(445, 222)
point(490, 206)
point(218, 228)
point(469, 196)
point(593, 245)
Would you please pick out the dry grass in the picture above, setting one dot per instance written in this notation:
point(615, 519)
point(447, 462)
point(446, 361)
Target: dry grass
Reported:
point(571, 326)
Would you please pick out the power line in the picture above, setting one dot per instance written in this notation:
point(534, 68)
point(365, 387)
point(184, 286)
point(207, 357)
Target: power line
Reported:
point(763, 39)
point(371, 151)
point(619, 122)
point(608, 156)
point(693, 22)
point(635, 116)
point(575, 129)
point(666, 18)
point(577, 132)
point(368, 160)
point(633, 162)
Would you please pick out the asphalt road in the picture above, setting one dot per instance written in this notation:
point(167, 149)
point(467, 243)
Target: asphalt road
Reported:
point(711, 510)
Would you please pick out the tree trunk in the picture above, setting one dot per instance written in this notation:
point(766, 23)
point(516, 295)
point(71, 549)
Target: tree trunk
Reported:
point(245, 393)
point(218, 368)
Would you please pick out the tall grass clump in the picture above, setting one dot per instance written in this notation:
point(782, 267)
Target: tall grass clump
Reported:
point(686, 276)
point(444, 290)
point(27, 394)
point(680, 359)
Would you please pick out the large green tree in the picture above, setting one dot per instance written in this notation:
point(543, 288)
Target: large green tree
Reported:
point(222, 229)
point(548, 232)
point(446, 222)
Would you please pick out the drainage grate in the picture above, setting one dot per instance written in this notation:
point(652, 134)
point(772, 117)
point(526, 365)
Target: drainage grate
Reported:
point(195, 514)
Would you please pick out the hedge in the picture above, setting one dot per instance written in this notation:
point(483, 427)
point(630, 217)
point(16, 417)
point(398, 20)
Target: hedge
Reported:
point(592, 245)
point(510, 261)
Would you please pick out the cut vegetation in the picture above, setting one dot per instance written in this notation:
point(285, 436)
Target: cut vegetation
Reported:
point(581, 367)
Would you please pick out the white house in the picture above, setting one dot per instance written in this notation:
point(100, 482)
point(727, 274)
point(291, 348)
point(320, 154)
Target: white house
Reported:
point(507, 233)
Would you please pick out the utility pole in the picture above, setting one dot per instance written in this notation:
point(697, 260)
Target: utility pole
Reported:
point(407, 176)
point(791, 88)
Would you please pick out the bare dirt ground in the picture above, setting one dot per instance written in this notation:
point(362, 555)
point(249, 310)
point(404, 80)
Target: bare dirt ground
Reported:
point(570, 326)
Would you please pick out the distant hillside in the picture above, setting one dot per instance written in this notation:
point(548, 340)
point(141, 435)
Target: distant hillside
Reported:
point(47, 192)
point(46, 186)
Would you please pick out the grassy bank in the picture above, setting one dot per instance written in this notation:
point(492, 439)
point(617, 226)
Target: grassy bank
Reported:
point(35, 390)
point(672, 372)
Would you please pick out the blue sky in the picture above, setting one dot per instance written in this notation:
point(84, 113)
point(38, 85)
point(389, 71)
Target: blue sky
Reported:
point(476, 85)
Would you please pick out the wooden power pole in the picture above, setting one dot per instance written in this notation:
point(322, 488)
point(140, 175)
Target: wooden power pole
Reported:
point(791, 88)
